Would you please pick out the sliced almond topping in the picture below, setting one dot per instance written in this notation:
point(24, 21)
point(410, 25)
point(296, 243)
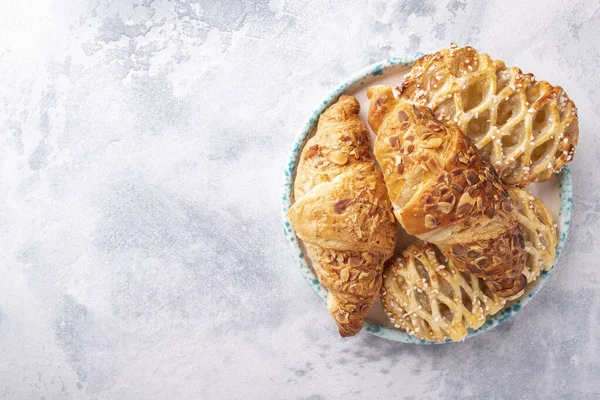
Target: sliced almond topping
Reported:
point(340, 206)
point(449, 199)
point(431, 221)
point(473, 254)
point(445, 207)
point(338, 157)
point(433, 164)
point(433, 143)
point(482, 262)
point(355, 261)
point(457, 187)
point(417, 112)
point(435, 127)
point(465, 204)
point(345, 274)
point(506, 206)
point(458, 250)
point(472, 177)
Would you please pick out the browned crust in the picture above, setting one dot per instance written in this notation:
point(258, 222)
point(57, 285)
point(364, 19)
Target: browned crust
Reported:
point(446, 75)
point(444, 192)
point(343, 215)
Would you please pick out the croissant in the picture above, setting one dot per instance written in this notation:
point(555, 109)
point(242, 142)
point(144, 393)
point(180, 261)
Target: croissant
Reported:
point(343, 215)
point(444, 192)
point(528, 128)
point(424, 294)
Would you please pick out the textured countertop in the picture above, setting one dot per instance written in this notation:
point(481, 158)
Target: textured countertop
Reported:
point(141, 158)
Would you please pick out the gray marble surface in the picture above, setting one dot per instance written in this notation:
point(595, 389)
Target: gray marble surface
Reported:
point(142, 254)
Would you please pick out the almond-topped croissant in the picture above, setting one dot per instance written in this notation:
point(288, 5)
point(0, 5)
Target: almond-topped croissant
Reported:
point(343, 215)
point(445, 193)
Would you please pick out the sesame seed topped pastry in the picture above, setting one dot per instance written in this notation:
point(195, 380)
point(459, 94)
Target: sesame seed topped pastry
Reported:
point(539, 231)
point(444, 192)
point(343, 214)
point(426, 295)
point(528, 128)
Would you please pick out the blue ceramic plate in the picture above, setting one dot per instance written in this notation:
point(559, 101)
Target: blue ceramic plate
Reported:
point(556, 193)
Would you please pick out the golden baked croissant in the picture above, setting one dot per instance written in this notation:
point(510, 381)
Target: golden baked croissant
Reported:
point(529, 129)
point(424, 293)
point(443, 192)
point(343, 215)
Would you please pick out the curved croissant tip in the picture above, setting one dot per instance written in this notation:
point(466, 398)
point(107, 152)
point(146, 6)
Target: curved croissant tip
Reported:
point(344, 332)
point(375, 90)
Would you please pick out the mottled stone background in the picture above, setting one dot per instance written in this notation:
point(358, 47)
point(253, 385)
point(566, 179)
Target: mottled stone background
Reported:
point(141, 158)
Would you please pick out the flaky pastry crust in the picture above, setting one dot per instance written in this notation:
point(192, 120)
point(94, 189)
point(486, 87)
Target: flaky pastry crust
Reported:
point(444, 192)
point(528, 128)
point(343, 215)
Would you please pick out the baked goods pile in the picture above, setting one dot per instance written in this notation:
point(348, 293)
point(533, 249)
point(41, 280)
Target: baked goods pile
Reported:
point(455, 147)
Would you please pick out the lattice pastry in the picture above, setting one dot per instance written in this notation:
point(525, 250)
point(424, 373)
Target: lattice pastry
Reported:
point(424, 294)
point(539, 231)
point(528, 128)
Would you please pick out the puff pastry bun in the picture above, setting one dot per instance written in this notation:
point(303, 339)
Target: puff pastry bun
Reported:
point(528, 128)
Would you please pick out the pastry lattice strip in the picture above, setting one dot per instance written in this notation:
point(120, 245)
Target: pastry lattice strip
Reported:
point(539, 231)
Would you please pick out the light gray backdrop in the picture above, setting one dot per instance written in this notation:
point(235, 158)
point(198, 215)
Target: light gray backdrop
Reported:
point(141, 157)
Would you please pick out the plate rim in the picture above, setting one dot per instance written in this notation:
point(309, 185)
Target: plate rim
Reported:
point(376, 69)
